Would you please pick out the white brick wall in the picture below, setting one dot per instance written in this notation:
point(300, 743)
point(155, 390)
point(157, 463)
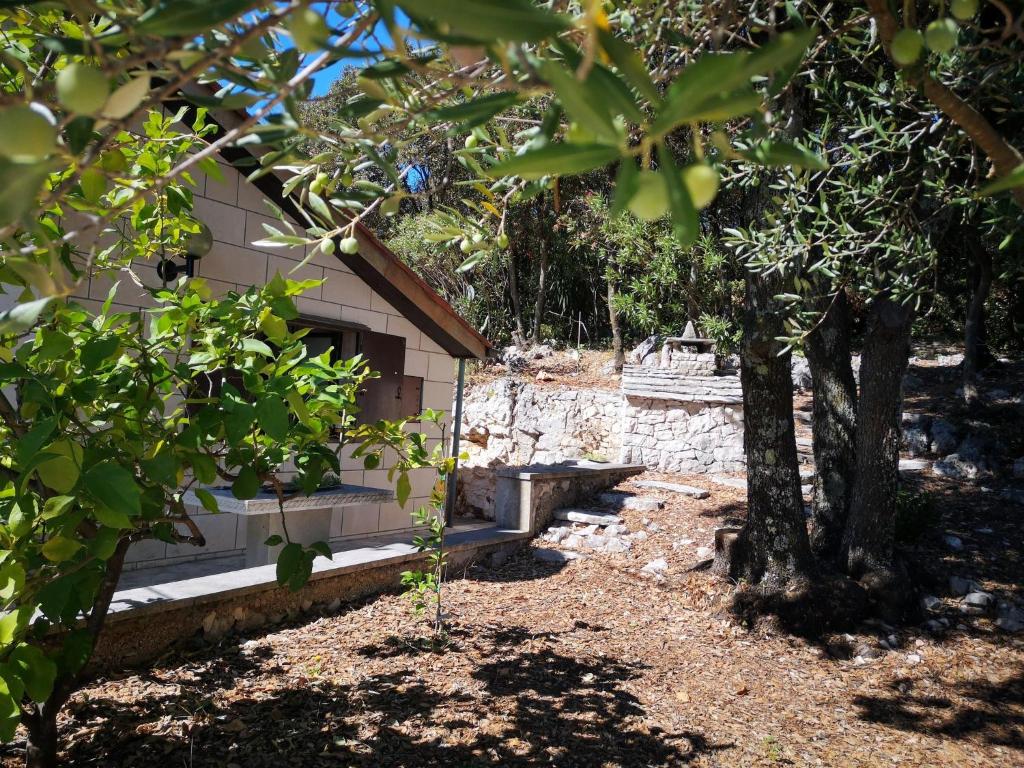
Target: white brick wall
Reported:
point(235, 212)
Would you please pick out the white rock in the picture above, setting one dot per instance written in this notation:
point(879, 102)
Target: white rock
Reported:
point(959, 586)
point(657, 567)
point(686, 490)
point(573, 541)
point(913, 658)
point(703, 553)
point(639, 536)
point(629, 501)
point(588, 516)
point(617, 545)
point(979, 599)
point(554, 555)
point(953, 542)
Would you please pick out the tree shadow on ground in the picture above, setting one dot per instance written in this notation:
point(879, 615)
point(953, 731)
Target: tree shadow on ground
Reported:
point(993, 711)
point(528, 703)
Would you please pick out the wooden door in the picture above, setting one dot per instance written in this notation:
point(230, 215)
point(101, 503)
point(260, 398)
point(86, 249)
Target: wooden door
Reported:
point(381, 398)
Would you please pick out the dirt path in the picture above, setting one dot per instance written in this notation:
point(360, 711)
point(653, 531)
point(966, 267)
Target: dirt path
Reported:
point(588, 664)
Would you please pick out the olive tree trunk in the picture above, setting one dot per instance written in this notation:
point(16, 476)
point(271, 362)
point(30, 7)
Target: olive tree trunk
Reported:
point(868, 541)
point(613, 321)
point(834, 426)
point(772, 548)
point(40, 720)
point(542, 275)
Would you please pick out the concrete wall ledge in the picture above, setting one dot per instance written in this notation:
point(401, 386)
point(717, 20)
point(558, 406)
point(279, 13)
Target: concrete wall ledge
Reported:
point(213, 589)
point(577, 469)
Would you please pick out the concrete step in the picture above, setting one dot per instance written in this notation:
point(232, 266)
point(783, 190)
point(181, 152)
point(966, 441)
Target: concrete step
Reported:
point(587, 516)
point(914, 465)
point(686, 490)
point(629, 501)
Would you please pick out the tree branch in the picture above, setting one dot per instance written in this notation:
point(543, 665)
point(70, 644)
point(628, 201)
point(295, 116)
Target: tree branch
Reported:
point(1003, 155)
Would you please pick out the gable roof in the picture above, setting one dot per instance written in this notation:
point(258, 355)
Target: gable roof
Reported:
point(374, 263)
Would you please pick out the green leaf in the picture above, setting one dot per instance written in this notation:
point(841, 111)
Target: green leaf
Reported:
point(475, 112)
point(36, 670)
point(630, 64)
point(322, 549)
point(486, 20)
point(403, 488)
point(104, 543)
point(96, 350)
point(257, 346)
point(118, 494)
point(184, 18)
point(625, 186)
point(288, 562)
point(20, 183)
point(21, 317)
point(273, 541)
point(60, 548)
point(272, 415)
point(685, 225)
point(556, 160)
point(55, 506)
point(580, 101)
point(247, 485)
point(61, 472)
point(207, 499)
point(1012, 180)
point(10, 711)
point(781, 154)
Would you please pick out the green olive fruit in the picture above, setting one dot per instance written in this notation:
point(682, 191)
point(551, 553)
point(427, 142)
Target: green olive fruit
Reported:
point(478, 237)
point(471, 141)
point(465, 246)
point(503, 240)
point(25, 134)
point(389, 207)
point(701, 182)
point(308, 30)
point(82, 89)
point(650, 200)
point(941, 35)
point(113, 161)
point(347, 10)
point(963, 9)
point(907, 45)
point(327, 246)
point(349, 245)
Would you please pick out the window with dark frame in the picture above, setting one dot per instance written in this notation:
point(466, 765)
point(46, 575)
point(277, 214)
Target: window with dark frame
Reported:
point(393, 395)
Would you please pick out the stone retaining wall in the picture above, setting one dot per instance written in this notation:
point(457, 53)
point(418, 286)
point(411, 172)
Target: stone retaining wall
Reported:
point(511, 423)
point(689, 437)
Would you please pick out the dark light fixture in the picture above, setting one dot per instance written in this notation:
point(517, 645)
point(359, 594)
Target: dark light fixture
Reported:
point(197, 245)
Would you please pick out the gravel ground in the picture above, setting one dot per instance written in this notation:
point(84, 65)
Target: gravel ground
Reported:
point(589, 664)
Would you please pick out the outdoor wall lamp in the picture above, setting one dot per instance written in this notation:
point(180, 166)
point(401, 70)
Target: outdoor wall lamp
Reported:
point(197, 245)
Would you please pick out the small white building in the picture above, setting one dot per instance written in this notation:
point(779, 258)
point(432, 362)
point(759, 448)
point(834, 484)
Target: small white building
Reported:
point(370, 302)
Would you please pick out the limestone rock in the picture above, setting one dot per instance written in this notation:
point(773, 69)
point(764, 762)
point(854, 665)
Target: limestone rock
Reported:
point(944, 437)
point(957, 467)
point(914, 465)
point(731, 482)
point(686, 490)
point(556, 556)
point(801, 373)
point(950, 361)
point(953, 542)
point(657, 568)
point(979, 599)
point(1011, 619)
point(959, 586)
point(648, 348)
point(916, 440)
point(588, 516)
point(629, 501)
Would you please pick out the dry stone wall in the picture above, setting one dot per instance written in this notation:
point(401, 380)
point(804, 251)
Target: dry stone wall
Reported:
point(509, 423)
point(513, 423)
point(675, 436)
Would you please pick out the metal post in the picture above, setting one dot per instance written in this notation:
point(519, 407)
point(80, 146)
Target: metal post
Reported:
point(453, 479)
